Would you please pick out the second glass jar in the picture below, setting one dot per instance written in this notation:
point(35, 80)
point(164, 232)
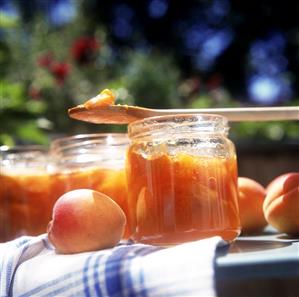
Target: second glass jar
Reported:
point(182, 180)
point(91, 161)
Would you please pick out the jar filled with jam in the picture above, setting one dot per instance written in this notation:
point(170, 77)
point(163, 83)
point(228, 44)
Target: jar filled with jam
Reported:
point(182, 179)
point(26, 198)
point(91, 161)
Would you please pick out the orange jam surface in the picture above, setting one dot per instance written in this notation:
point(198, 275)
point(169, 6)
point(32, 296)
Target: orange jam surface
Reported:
point(174, 199)
point(27, 200)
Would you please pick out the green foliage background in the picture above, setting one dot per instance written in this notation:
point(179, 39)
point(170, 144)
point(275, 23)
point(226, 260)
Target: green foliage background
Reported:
point(33, 104)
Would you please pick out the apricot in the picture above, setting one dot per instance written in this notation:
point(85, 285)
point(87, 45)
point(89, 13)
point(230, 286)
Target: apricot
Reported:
point(251, 199)
point(281, 206)
point(85, 220)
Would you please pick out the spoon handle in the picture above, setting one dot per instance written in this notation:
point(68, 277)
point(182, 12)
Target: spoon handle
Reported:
point(236, 114)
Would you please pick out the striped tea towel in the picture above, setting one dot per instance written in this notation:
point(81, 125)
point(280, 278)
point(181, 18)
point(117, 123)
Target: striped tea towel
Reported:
point(29, 266)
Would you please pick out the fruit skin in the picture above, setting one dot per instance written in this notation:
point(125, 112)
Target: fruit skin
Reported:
point(281, 206)
point(251, 199)
point(85, 220)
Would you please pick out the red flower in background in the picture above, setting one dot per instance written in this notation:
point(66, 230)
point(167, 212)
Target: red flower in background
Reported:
point(45, 60)
point(60, 71)
point(84, 49)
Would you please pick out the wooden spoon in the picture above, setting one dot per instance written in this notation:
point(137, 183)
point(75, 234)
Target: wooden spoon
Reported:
point(124, 114)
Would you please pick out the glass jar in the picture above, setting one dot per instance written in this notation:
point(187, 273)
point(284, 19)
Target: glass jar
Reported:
point(182, 179)
point(91, 161)
point(26, 199)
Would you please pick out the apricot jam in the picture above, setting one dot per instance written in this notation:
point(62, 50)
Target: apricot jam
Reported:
point(31, 179)
point(182, 180)
point(26, 197)
point(91, 161)
point(111, 182)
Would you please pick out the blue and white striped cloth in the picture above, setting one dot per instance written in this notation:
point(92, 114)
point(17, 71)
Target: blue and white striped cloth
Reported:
point(30, 267)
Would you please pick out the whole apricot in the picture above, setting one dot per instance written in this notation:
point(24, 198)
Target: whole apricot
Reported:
point(85, 220)
point(281, 206)
point(251, 199)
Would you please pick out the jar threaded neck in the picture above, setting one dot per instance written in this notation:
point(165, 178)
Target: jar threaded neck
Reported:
point(205, 124)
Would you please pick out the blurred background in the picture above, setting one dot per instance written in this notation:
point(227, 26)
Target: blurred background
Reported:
point(55, 54)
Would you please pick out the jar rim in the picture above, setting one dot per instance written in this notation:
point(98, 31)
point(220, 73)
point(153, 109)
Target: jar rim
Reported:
point(22, 148)
point(27, 156)
point(77, 141)
point(180, 123)
point(115, 138)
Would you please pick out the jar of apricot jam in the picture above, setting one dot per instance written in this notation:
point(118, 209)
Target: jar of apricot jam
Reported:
point(91, 161)
point(26, 197)
point(182, 179)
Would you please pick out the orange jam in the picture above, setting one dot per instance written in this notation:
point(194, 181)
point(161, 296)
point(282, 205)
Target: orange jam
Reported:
point(182, 186)
point(182, 198)
point(31, 179)
point(27, 198)
point(91, 161)
point(111, 182)
point(26, 201)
